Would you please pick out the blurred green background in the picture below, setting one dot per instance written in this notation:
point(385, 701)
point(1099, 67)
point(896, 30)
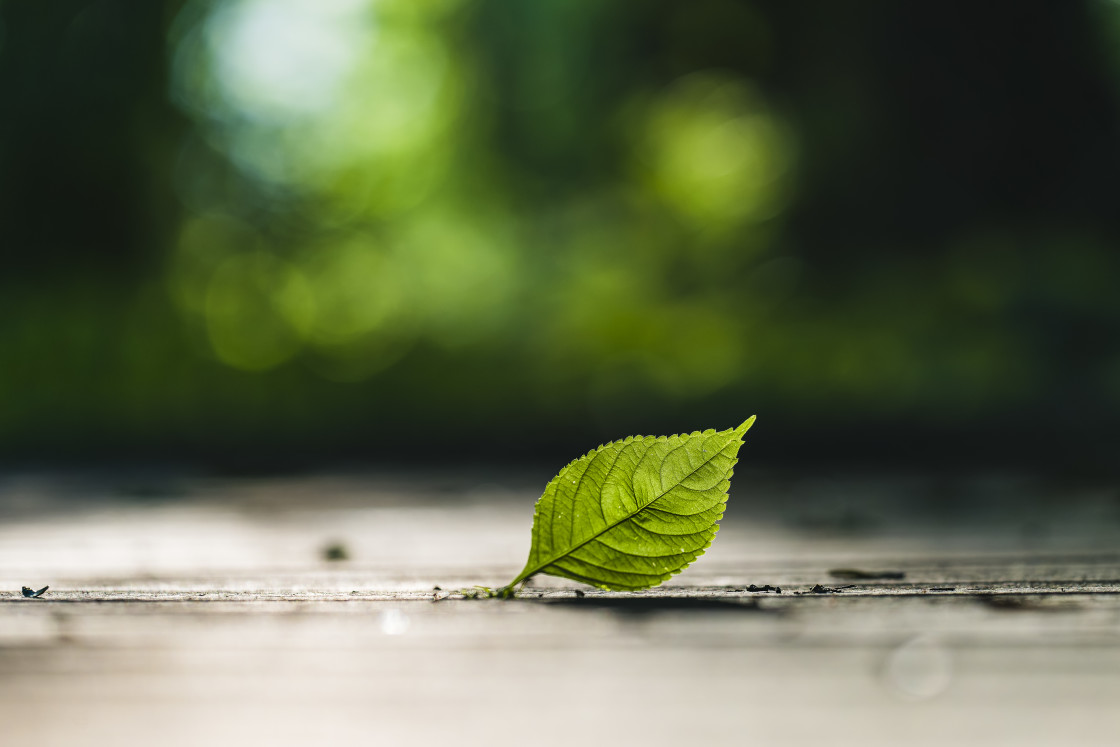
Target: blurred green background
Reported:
point(269, 233)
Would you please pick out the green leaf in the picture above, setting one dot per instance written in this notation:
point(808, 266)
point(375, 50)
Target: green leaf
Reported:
point(632, 513)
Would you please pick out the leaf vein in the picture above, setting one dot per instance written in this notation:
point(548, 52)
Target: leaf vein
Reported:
point(526, 573)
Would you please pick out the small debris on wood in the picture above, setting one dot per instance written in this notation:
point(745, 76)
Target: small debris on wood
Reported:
point(818, 589)
point(580, 594)
point(854, 574)
point(767, 587)
point(336, 551)
point(479, 592)
point(436, 588)
point(30, 594)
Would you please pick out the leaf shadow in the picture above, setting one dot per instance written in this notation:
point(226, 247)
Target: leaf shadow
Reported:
point(643, 606)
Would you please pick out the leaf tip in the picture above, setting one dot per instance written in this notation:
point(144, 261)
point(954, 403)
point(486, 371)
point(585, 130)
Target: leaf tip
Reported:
point(746, 426)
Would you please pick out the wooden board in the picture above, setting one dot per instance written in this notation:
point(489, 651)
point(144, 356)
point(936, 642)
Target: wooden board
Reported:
point(205, 612)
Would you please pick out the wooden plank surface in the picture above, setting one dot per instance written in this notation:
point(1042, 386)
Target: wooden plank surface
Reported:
point(187, 612)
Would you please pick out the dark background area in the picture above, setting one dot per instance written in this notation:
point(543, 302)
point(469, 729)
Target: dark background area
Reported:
point(257, 235)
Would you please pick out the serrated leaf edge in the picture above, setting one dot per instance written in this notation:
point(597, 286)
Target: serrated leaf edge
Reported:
point(745, 426)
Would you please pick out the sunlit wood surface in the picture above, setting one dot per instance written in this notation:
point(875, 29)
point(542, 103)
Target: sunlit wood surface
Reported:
point(187, 611)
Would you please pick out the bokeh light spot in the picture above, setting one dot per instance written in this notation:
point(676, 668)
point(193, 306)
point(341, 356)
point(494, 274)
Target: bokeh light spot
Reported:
point(357, 289)
point(259, 309)
point(714, 153)
point(275, 60)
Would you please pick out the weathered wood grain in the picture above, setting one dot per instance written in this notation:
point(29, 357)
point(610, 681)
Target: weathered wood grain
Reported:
point(205, 613)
